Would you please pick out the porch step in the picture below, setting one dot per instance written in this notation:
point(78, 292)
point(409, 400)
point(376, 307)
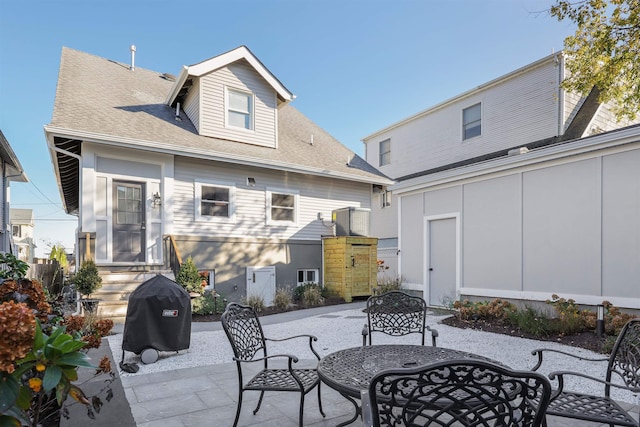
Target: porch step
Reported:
point(116, 288)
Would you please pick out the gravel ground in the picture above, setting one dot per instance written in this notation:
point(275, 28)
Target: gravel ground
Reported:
point(342, 329)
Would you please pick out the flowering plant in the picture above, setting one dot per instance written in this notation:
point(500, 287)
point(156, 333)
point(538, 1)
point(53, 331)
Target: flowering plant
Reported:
point(40, 354)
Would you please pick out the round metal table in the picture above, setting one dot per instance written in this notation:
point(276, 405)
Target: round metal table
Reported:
point(350, 370)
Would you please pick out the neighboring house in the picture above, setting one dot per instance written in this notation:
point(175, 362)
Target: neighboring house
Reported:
point(515, 189)
point(11, 171)
point(22, 225)
point(214, 163)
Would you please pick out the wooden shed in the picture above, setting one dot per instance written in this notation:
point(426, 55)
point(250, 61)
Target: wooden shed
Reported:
point(350, 265)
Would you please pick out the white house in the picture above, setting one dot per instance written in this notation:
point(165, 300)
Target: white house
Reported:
point(12, 171)
point(515, 189)
point(214, 163)
point(22, 225)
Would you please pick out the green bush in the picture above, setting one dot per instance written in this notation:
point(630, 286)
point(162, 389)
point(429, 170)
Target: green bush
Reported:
point(189, 277)
point(87, 280)
point(531, 321)
point(206, 304)
point(282, 299)
point(298, 291)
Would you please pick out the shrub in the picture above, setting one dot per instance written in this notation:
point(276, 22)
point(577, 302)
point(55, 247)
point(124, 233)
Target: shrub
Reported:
point(312, 296)
point(495, 309)
point(282, 299)
point(386, 283)
point(208, 303)
point(571, 319)
point(87, 280)
point(189, 277)
point(298, 291)
point(531, 321)
point(256, 302)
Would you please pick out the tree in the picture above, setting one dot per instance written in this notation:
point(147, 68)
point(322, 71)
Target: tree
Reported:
point(58, 254)
point(605, 51)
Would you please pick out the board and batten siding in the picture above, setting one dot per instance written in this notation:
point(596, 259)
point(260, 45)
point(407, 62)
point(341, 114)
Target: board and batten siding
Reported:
point(240, 76)
point(191, 105)
point(315, 195)
point(568, 227)
point(516, 111)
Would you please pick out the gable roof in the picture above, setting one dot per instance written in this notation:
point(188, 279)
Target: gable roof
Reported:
point(15, 171)
point(103, 101)
point(217, 62)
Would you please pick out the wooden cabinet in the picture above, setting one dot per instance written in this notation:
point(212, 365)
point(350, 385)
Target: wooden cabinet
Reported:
point(350, 265)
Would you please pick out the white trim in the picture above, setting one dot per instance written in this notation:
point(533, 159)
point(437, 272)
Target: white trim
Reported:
point(296, 199)
point(305, 270)
point(207, 154)
point(426, 253)
point(197, 198)
point(252, 109)
point(633, 303)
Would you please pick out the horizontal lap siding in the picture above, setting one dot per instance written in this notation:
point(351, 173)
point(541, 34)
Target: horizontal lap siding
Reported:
point(239, 76)
point(316, 194)
point(192, 104)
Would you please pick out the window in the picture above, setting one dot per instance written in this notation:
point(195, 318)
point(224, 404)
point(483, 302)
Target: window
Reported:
point(385, 199)
point(471, 122)
point(307, 276)
point(282, 206)
point(16, 231)
point(214, 201)
point(239, 109)
point(385, 152)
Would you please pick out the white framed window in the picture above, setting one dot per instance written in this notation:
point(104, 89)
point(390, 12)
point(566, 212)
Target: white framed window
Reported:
point(214, 201)
point(308, 275)
point(16, 231)
point(385, 152)
point(282, 207)
point(385, 199)
point(239, 109)
point(472, 121)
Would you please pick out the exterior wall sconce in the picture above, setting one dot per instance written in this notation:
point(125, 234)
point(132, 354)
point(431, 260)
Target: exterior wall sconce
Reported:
point(156, 200)
point(600, 321)
point(251, 182)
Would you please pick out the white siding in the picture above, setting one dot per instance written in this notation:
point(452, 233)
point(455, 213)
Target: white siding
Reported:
point(239, 76)
point(516, 111)
point(316, 195)
point(191, 105)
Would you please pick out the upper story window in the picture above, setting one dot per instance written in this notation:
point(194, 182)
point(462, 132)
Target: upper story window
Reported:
point(385, 152)
point(471, 121)
point(385, 199)
point(282, 206)
point(239, 109)
point(16, 230)
point(214, 201)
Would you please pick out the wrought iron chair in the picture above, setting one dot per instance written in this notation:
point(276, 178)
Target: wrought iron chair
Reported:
point(249, 345)
point(624, 361)
point(396, 313)
point(463, 392)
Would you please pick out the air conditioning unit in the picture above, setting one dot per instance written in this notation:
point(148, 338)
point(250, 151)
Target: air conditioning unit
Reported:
point(351, 221)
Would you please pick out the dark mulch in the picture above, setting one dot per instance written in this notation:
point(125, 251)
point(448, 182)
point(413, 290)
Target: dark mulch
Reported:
point(266, 312)
point(588, 340)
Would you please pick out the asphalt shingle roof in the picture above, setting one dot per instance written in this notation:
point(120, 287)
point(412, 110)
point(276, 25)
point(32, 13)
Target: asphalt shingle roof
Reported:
point(107, 100)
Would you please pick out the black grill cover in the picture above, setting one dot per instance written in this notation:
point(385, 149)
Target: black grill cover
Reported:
point(158, 316)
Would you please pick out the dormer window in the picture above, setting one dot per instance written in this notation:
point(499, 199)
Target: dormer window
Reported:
point(239, 109)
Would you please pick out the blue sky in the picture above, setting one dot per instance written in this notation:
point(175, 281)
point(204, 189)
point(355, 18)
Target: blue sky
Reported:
point(356, 66)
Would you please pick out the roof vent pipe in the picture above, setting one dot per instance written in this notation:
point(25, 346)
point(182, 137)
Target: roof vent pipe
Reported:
point(132, 48)
point(178, 111)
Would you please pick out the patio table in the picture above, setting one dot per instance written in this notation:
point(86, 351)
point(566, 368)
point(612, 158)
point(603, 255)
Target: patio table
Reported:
point(350, 370)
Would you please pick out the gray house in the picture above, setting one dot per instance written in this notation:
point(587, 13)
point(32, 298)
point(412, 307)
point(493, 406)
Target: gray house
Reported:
point(11, 172)
point(515, 189)
point(214, 163)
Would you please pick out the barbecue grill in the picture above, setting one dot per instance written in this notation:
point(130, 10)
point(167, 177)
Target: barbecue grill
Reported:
point(158, 319)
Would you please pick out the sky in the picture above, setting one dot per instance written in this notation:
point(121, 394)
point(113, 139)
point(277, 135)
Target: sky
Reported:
point(355, 66)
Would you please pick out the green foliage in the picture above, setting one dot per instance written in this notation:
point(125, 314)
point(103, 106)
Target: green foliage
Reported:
point(531, 321)
point(299, 291)
point(282, 299)
point(87, 280)
point(58, 254)
point(496, 309)
point(50, 367)
point(14, 268)
point(570, 317)
point(189, 277)
point(207, 304)
point(256, 302)
point(604, 51)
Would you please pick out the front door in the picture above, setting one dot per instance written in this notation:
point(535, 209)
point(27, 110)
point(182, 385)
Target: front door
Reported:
point(442, 261)
point(128, 222)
